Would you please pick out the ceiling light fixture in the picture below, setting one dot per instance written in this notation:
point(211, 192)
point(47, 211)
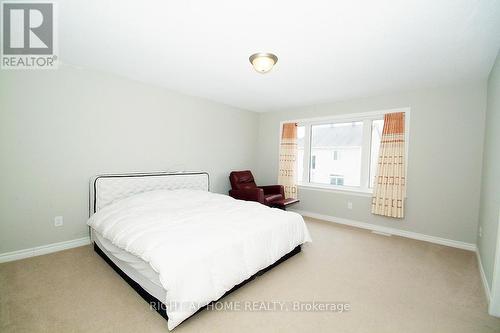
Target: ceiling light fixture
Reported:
point(263, 62)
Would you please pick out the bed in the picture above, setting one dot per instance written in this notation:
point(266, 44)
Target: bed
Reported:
point(182, 247)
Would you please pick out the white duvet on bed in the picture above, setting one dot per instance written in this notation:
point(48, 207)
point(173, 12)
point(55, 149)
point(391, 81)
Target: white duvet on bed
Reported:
point(201, 244)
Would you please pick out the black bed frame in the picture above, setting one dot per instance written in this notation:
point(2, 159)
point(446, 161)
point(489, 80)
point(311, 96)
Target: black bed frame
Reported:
point(160, 306)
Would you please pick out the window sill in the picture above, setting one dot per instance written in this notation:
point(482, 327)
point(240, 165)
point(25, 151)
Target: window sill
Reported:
point(337, 189)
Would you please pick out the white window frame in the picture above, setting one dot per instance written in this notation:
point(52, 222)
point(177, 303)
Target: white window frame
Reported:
point(365, 117)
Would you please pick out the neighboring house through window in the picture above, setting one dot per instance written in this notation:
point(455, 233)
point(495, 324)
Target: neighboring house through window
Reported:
point(337, 180)
point(336, 155)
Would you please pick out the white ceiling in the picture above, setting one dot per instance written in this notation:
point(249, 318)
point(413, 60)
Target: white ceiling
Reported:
point(327, 50)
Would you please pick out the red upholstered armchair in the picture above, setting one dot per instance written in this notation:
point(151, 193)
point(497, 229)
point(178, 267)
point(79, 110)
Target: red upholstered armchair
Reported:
point(244, 188)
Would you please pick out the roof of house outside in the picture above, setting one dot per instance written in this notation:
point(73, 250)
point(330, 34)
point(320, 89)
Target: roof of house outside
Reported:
point(338, 136)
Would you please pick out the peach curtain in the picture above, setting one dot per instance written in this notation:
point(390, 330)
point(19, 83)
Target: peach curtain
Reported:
point(288, 160)
point(390, 183)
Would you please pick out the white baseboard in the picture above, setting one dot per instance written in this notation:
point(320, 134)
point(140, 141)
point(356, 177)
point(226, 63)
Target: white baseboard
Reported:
point(483, 277)
point(44, 249)
point(392, 231)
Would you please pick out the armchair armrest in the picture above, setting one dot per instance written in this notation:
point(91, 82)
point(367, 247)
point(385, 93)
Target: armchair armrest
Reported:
point(273, 189)
point(252, 194)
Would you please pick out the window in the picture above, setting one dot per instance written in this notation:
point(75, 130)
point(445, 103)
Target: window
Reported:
point(377, 127)
point(340, 152)
point(326, 139)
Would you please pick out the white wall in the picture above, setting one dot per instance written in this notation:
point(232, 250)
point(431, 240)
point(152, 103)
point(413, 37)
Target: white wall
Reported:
point(59, 128)
point(490, 190)
point(446, 140)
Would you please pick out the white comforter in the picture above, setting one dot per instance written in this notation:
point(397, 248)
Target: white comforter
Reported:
point(201, 244)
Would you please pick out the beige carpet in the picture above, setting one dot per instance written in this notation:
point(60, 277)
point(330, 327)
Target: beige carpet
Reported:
point(392, 285)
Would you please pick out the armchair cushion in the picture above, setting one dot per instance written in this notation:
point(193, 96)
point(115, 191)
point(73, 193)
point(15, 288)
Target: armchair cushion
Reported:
point(273, 189)
point(250, 194)
point(269, 199)
point(242, 180)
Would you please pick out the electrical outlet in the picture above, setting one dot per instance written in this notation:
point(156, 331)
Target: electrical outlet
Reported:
point(58, 221)
point(480, 231)
point(349, 204)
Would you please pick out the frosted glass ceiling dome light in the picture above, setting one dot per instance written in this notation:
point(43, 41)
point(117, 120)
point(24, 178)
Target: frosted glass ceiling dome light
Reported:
point(263, 62)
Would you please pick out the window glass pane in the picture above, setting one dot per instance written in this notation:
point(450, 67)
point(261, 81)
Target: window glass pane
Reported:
point(301, 130)
point(344, 167)
point(377, 127)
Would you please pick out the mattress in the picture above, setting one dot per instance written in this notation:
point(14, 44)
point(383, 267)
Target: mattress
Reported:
point(136, 268)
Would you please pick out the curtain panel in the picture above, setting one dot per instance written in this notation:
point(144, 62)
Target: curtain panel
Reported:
point(288, 160)
point(390, 183)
